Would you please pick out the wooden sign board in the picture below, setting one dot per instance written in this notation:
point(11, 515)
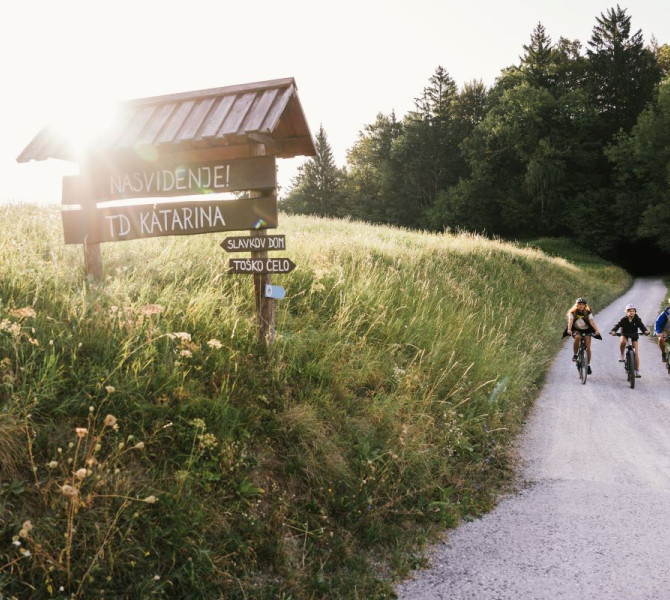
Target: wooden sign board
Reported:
point(130, 222)
point(147, 180)
point(254, 243)
point(260, 266)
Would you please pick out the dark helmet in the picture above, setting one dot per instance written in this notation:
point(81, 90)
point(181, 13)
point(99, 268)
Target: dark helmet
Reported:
point(580, 300)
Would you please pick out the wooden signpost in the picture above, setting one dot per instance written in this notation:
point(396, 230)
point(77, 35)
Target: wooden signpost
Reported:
point(105, 205)
point(130, 222)
point(252, 266)
point(261, 267)
point(254, 243)
point(135, 179)
point(125, 181)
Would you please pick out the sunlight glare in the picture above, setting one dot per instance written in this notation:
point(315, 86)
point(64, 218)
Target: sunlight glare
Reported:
point(85, 126)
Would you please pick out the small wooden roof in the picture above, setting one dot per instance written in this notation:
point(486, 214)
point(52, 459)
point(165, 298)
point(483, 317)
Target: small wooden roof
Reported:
point(255, 119)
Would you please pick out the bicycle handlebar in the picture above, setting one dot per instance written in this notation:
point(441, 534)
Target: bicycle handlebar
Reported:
point(584, 334)
point(624, 335)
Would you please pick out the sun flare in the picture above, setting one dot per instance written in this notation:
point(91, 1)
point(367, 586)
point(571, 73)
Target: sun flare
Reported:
point(85, 126)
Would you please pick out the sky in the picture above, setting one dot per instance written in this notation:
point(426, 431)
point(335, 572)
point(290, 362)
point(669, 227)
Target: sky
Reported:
point(351, 59)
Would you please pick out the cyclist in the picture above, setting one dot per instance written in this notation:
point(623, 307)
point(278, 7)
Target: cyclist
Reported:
point(629, 326)
point(580, 318)
point(662, 329)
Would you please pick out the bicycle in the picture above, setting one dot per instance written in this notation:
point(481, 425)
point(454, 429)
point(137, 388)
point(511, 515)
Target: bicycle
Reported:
point(667, 352)
point(629, 360)
point(582, 355)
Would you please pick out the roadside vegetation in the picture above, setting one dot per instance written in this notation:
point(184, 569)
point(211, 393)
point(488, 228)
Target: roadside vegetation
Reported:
point(151, 448)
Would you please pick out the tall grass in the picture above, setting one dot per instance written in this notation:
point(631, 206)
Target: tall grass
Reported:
point(150, 447)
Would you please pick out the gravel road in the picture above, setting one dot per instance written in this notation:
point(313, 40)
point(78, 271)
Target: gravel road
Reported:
point(593, 518)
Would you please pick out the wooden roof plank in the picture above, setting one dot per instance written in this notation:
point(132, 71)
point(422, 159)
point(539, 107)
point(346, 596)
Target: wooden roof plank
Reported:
point(261, 107)
point(275, 113)
point(238, 112)
point(177, 119)
point(213, 122)
point(156, 124)
point(193, 123)
point(221, 91)
point(34, 150)
point(56, 146)
point(132, 131)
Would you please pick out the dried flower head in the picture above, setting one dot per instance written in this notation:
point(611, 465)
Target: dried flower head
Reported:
point(23, 313)
point(150, 499)
point(81, 432)
point(52, 465)
point(199, 423)
point(214, 343)
point(81, 473)
point(110, 421)
point(139, 446)
point(183, 336)
point(27, 525)
point(110, 389)
point(68, 490)
point(151, 309)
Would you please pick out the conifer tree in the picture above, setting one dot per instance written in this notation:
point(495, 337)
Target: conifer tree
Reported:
point(318, 187)
point(537, 59)
point(623, 72)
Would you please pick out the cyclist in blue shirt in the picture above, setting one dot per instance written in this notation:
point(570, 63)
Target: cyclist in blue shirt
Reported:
point(662, 329)
point(629, 325)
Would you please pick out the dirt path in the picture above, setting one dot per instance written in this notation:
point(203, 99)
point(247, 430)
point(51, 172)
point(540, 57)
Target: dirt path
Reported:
point(594, 518)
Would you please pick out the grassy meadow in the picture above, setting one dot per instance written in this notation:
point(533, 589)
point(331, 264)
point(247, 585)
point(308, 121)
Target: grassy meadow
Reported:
point(150, 447)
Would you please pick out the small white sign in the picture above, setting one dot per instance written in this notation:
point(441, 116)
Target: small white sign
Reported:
point(274, 291)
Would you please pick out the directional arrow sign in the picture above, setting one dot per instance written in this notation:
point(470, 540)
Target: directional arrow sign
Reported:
point(254, 243)
point(259, 266)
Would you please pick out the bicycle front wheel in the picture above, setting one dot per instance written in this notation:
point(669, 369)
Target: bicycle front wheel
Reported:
point(630, 362)
point(583, 367)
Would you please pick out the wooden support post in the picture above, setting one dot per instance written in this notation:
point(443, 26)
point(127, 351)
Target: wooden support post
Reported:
point(92, 261)
point(85, 197)
point(265, 307)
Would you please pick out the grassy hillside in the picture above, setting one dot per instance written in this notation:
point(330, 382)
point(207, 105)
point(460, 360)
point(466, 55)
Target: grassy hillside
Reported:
point(149, 447)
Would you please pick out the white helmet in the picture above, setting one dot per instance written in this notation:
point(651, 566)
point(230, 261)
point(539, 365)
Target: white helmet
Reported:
point(629, 306)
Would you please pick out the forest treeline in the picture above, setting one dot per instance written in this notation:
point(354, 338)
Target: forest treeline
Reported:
point(573, 141)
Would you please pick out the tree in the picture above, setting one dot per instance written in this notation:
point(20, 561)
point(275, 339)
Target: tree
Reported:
point(372, 188)
point(536, 63)
point(642, 161)
point(318, 187)
point(623, 72)
point(662, 54)
point(428, 153)
point(531, 154)
point(470, 106)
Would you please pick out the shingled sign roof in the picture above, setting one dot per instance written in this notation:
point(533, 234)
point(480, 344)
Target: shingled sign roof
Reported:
point(263, 118)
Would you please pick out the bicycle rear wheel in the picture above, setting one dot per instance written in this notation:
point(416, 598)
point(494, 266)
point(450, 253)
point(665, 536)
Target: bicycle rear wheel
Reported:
point(630, 363)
